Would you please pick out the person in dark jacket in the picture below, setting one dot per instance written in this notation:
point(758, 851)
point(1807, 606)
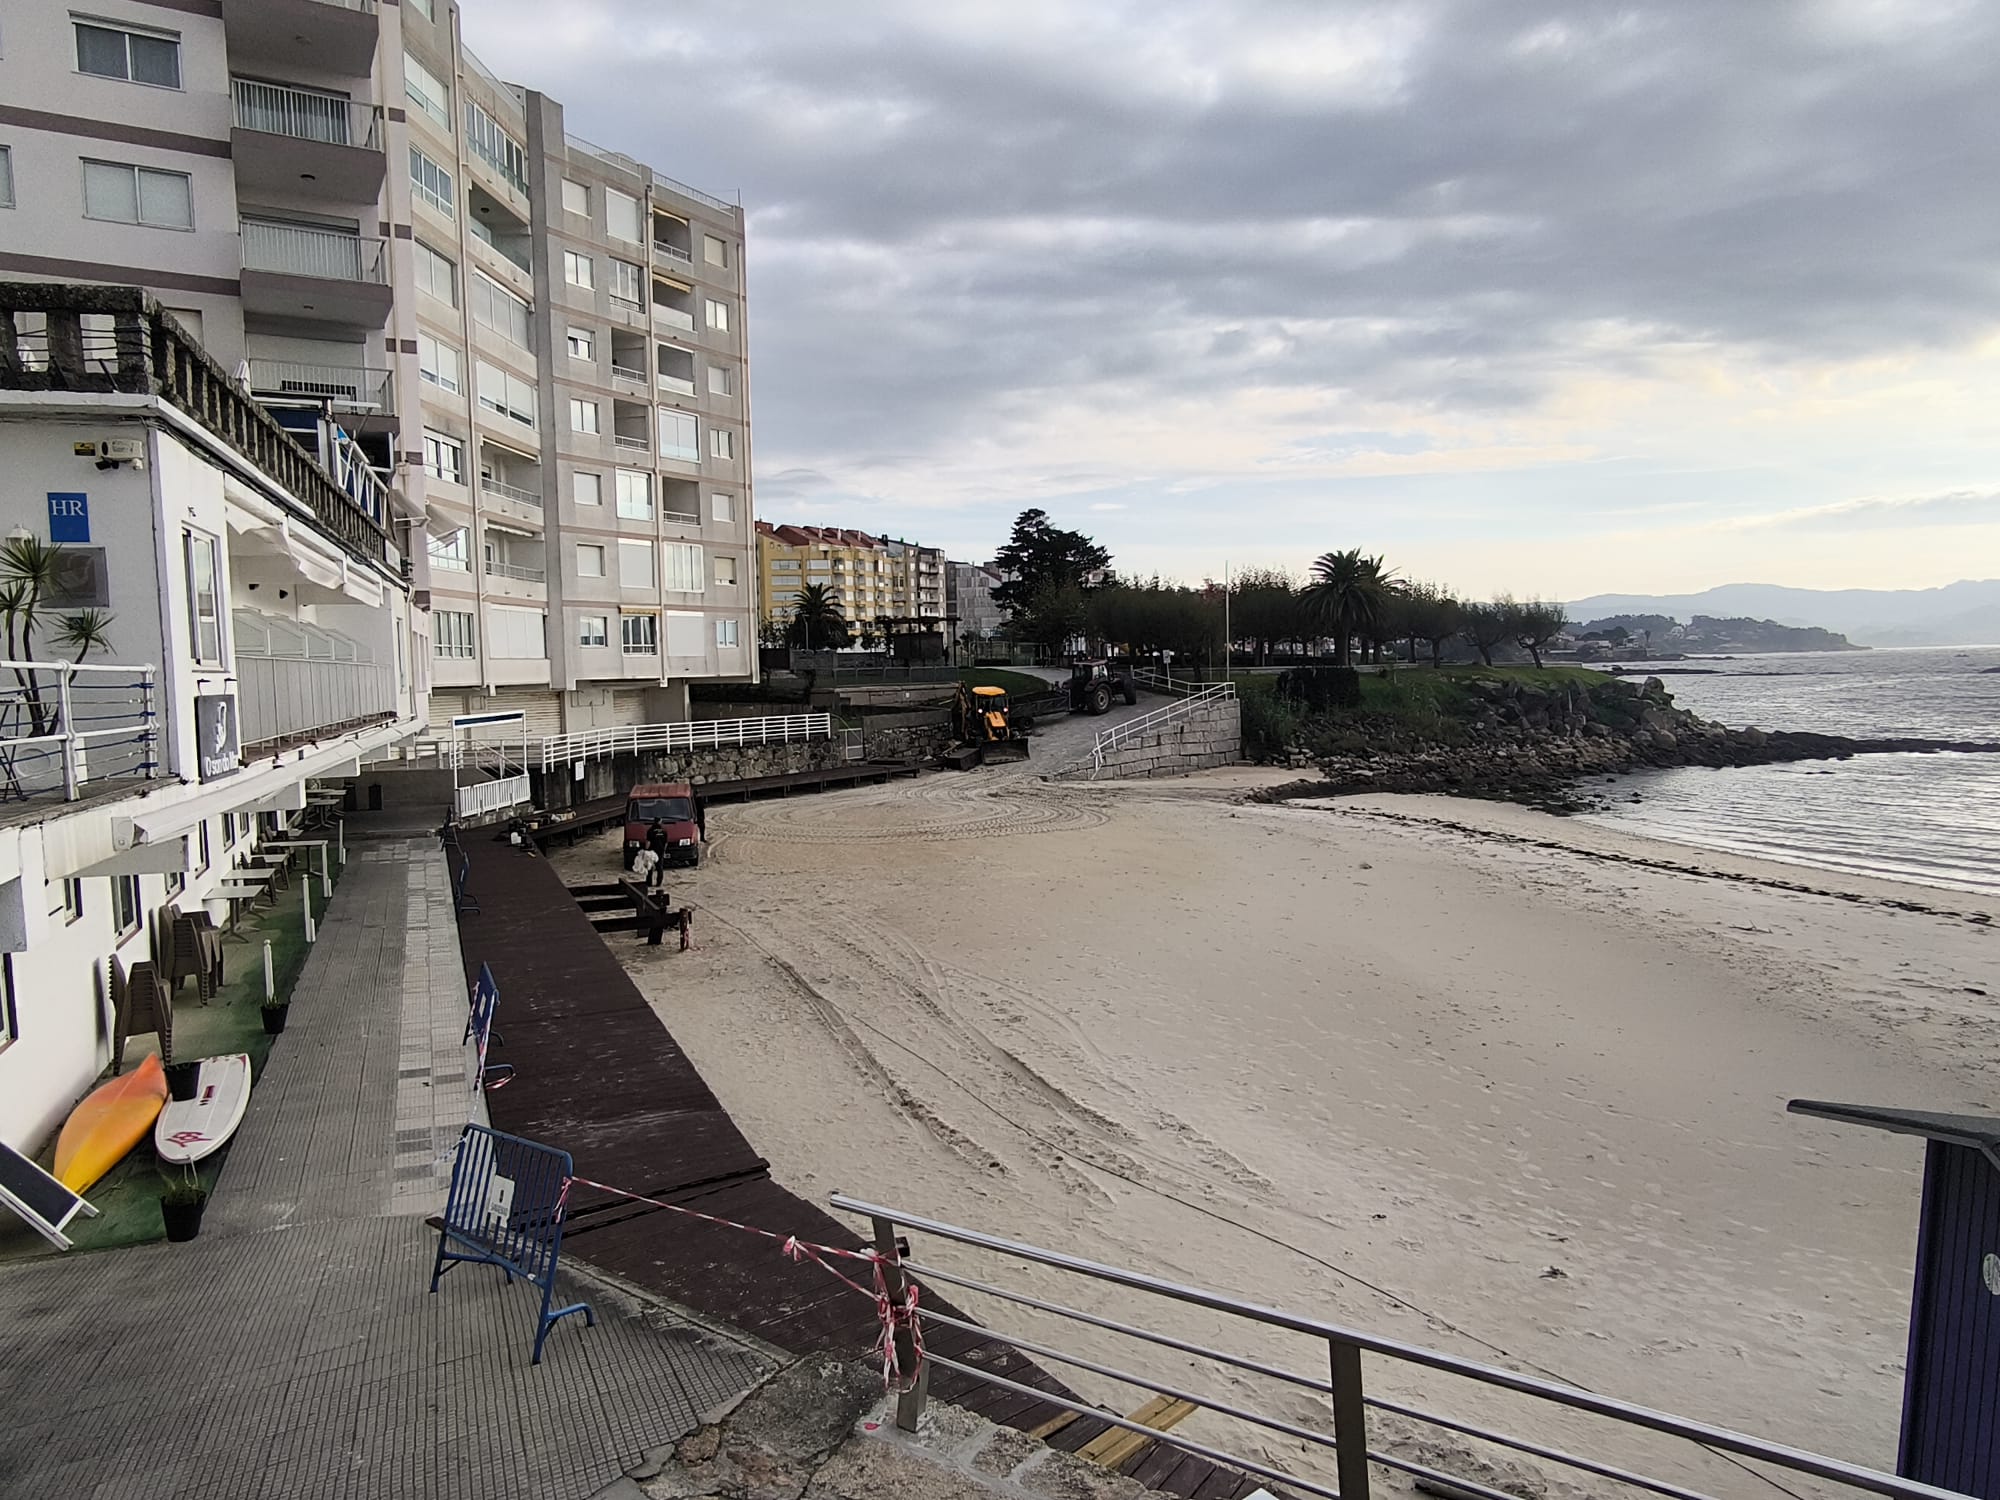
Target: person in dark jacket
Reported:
point(656, 840)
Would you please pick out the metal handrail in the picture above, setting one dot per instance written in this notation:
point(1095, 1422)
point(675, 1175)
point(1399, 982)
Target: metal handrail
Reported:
point(1344, 1383)
point(516, 571)
point(510, 492)
point(1110, 739)
point(26, 688)
point(349, 386)
point(660, 180)
point(298, 250)
point(590, 744)
point(304, 114)
point(673, 252)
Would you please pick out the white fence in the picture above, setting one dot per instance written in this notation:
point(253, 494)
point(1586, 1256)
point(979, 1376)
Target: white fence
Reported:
point(63, 724)
point(1132, 729)
point(303, 114)
point(481, 797)
point(299, 251)
point(628, 739)
point(294, 679)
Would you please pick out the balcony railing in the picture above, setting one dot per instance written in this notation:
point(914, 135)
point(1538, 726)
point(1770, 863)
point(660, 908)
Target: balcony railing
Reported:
point(696, 194)
point(352, 389)
point(63, 724)
point(676, 384)
point(672, 252)
point(295, 250)
point(299, 682)
point(511, 492)
point(133, 347)
point(673, 317)
point(517, 571)
point(625, 440)
point(626, 373)
point(304, 114)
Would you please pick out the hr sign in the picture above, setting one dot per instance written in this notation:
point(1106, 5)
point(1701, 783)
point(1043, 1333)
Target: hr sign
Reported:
point(215, 735)
point(69, 517)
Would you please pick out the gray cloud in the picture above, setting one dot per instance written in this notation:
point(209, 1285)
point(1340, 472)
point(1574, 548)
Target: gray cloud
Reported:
point(965, 215)
point(1957, 508)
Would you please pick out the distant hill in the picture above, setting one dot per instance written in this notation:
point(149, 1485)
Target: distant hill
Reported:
point(1706, 634)
point(1966, 613)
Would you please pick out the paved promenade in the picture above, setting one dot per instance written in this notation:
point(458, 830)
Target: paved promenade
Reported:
point(293, 1348)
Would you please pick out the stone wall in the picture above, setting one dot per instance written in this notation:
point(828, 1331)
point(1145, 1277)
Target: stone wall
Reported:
point(609, 777)
point(1197, 740)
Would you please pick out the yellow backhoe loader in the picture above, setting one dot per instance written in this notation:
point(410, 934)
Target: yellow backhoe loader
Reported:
point(983, 729)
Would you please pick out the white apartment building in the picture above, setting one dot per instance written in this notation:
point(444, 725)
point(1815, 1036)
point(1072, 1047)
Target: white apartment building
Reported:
point(537, 344)
point(258, 621)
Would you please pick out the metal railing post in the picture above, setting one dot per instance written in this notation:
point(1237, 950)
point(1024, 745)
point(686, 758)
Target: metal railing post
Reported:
point(1350, 1419)
point(63, 678)
point(910, 1403)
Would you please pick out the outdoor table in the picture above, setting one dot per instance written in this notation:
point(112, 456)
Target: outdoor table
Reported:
point(325, 857)
point(241, 895)
point(261, 876)
point(275, 859)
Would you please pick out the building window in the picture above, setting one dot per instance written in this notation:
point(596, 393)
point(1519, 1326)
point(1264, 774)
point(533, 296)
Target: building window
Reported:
point(724, 507)
point(431, 183)
point(621, 217)
point(130, 56)
point(678, 435)
point(204, 606)
point(10, 1026)
point(721, 380)
point(439, 364)
point(137, 195)
point(582, 416)
point(587, 489)
point(444, 457)
point(451, 633)
point(487, 140)
point(582, 344)
point(627, 283)
point(721, 442)
point(516, 634)
point(589, 560)
point(784, 565)
point(725, 571)
point(681, 567)
point(436, 274)
point(66, 899)
point(422, 8)
point(639, 635)
point(718, 316)
point(725, 632)
point(507, 394)
point(577, 269)
point(426, 92)
point(201, 848)
point(6, 176)
point(494, 307)
point(125, 903)
point(635, 565)
point(450, 550)
point(635, 495)
point(575, 198)
point(591, 631)
point(714, 251)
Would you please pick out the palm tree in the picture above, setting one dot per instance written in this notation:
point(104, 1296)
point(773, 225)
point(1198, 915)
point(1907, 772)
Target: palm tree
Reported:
point(31, 569)
point(1348, 594)
point(817, 617)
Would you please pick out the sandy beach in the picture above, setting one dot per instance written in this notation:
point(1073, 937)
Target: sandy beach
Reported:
point(1454, 1072)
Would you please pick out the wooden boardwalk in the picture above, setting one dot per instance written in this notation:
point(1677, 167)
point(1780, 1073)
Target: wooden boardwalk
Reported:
point(598, 1075)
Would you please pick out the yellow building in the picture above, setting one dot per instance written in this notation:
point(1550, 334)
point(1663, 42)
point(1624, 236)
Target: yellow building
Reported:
point(871, 577)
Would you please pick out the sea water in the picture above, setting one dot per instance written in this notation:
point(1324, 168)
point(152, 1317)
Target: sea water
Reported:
point(1934, 819)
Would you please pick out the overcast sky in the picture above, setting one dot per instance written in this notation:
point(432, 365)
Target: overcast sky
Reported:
point(1558, 298)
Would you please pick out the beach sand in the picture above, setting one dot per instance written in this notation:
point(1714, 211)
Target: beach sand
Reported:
point(1456, 1073)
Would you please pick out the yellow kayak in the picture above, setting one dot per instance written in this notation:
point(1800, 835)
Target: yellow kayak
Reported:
point(112, 1119)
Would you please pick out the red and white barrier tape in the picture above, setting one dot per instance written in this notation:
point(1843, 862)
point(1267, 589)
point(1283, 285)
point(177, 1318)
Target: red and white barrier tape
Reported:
point(894, 1313)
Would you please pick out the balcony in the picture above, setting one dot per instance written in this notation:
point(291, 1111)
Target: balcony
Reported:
point(629, 429)
point(295, 270)
point(669, 185)
point(70, 725)
point(673, 305)
point(336, 386)
point(673, 242)
point(319, 36)
point(676, 370)
point(299, 682)
point(293, 140)
point(501, 490)
point(132, 347)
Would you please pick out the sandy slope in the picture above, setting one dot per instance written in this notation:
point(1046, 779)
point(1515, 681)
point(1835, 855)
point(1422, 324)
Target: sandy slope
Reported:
point(1304, 1052)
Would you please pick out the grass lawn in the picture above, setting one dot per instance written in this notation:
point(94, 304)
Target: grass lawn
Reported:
point(127, 1198)
point(1017, 684)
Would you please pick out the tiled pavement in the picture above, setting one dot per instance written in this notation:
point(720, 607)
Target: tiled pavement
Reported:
point(293, 1349)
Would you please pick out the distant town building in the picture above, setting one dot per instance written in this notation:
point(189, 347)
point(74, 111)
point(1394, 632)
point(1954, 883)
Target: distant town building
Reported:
point(874, 579)
point(969, 600)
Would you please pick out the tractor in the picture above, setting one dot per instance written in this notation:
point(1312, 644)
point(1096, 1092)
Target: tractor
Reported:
point(984, 729)
point(1094, 683)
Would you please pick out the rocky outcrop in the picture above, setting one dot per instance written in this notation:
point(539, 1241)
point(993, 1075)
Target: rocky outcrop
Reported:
point(1526, 742)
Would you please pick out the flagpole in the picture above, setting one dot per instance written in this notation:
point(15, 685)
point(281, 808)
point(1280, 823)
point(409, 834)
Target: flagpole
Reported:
point(1225, 620)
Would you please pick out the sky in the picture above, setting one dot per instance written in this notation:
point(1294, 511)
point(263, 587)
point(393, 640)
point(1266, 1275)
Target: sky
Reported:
point(1558, 299)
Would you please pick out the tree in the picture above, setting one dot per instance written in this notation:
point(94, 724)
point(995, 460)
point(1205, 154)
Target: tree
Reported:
point(1431, 614)
point(30, 570)
point(817, 621)
point(1051, 616)
point(1534, 624)
point(1264, 609)
point(1347, 595)
point(1039, 555)
point(1486, 626)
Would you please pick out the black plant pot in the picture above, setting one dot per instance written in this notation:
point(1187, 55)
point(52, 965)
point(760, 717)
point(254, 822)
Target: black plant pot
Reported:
point(183, 1079)
point(274, 1018)
point(183, 1219)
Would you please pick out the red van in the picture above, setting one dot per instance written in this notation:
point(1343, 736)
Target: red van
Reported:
point(673, 806)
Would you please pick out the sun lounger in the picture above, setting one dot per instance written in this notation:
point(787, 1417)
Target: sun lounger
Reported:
point(40, 1202)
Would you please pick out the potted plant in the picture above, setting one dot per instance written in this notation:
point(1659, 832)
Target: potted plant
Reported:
point(275, 1012)
point(181, 1203)
point(183, 1079)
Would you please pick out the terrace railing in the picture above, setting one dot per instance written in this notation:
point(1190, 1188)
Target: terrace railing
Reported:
point(594, 744)
point(1132, 729)
point(65, 724)
point(304, 114)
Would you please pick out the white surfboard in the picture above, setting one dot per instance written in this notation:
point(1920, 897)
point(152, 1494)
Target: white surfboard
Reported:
point(190, 1129)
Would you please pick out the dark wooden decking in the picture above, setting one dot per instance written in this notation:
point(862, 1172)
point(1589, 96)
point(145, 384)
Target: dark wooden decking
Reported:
point(603, 812)
point(599, 1076)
